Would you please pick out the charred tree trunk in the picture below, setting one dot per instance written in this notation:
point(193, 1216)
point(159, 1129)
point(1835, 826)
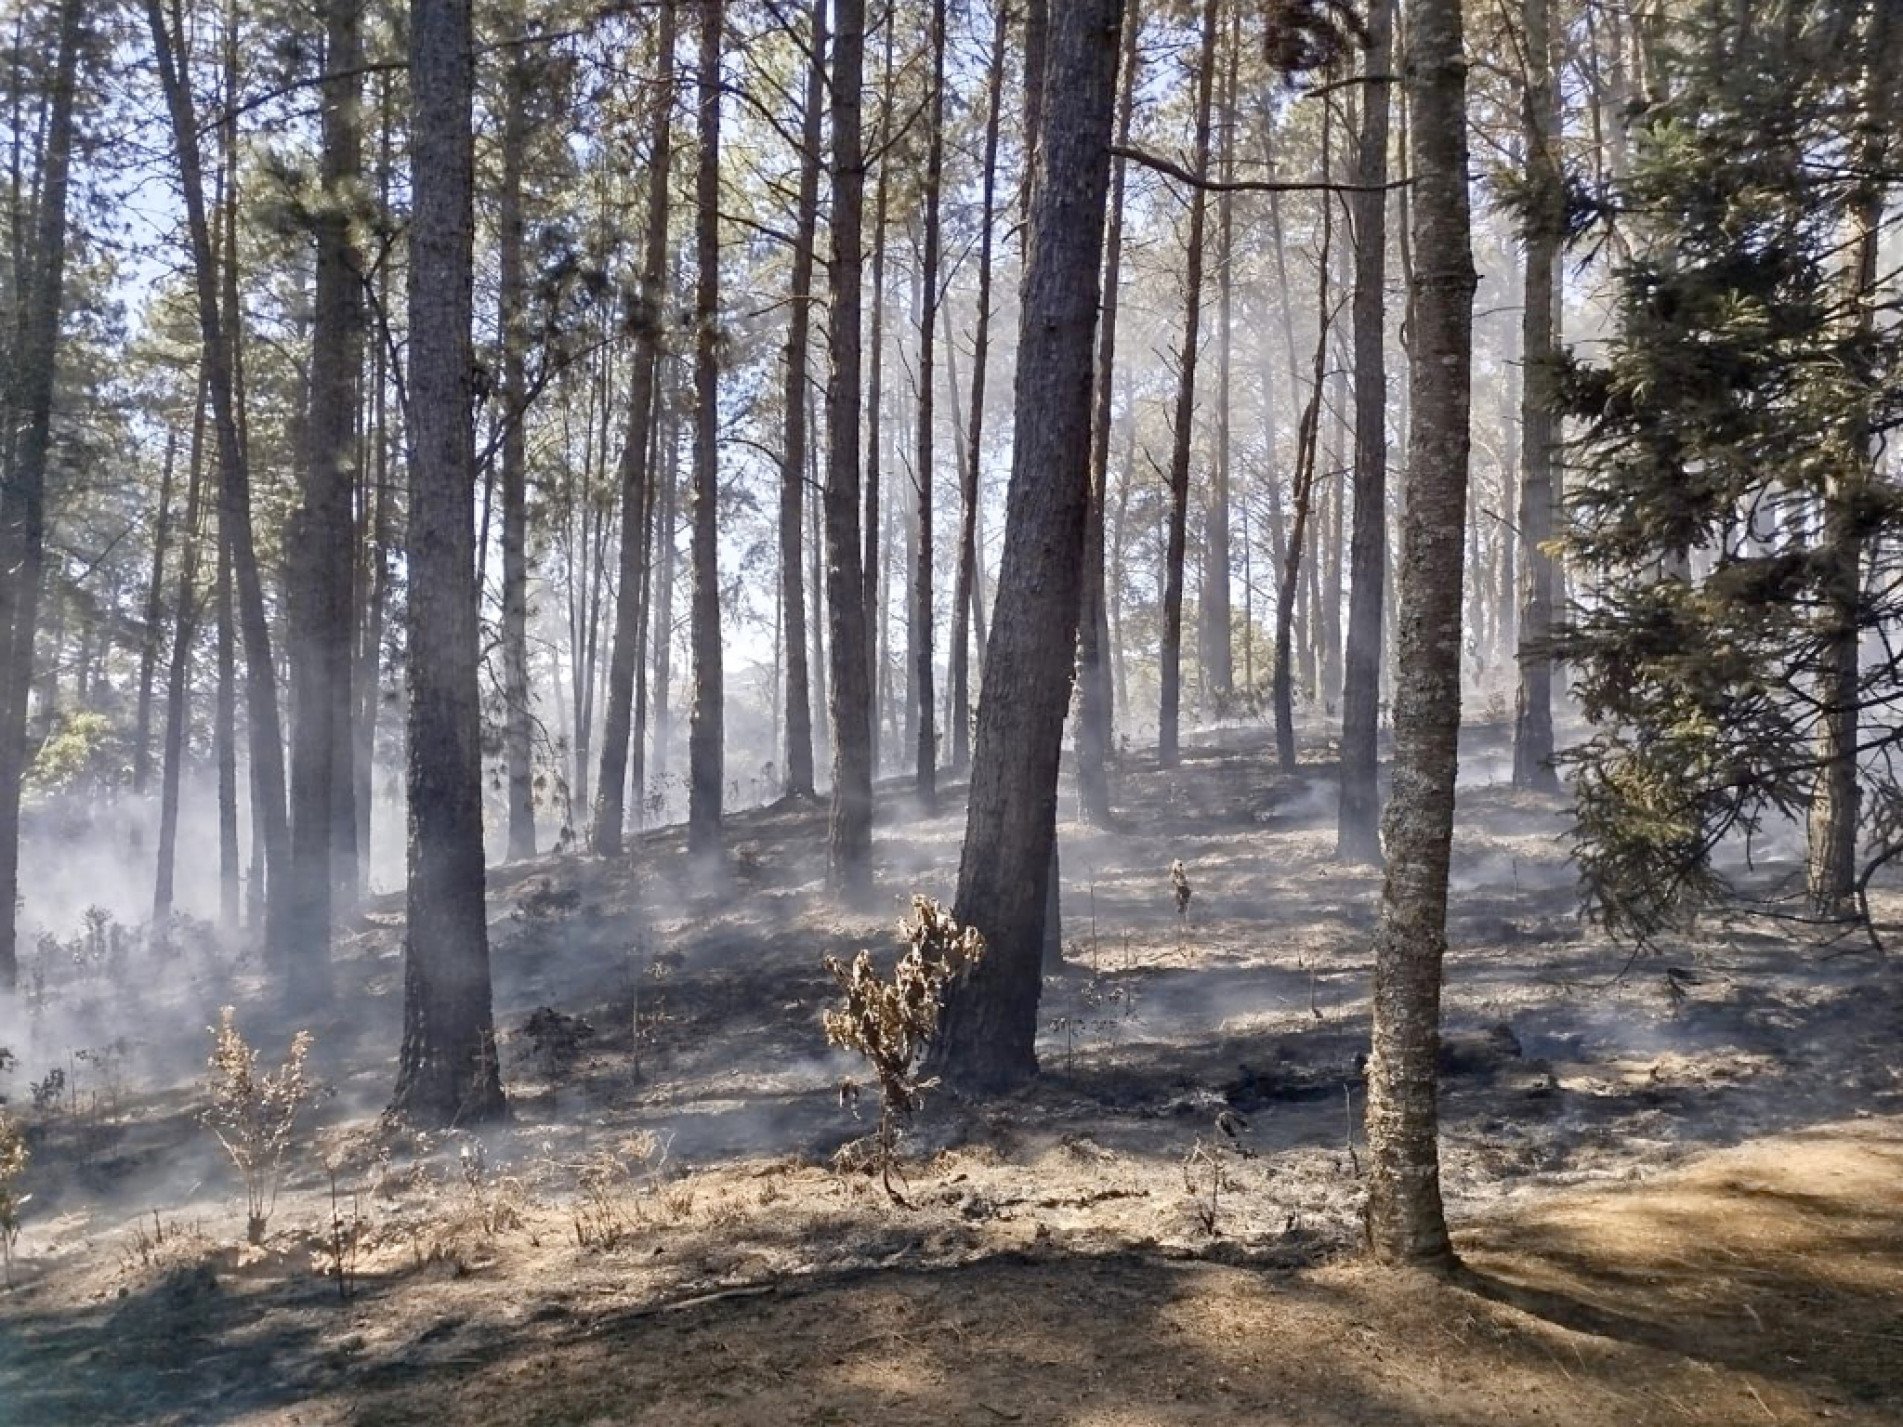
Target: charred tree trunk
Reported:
point(1170, 712)
point(637, 477)
point(849, 837)
point(447, 1071)
point(706, 737)
point(1358, 823)
point(1094, 647)
point(988, 1037)
point(1406, 1223)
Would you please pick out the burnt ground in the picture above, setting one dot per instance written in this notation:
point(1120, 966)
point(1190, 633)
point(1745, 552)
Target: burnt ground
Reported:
point(1676, 1178)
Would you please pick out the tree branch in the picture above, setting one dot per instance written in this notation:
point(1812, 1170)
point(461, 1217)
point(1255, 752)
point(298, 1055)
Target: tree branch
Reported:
point(1176, 171)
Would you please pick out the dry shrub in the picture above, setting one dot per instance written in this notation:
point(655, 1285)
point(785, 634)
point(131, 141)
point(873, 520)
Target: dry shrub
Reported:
point(254, 1114)
point(167, 1247)
point(890, 1023)
point(13, 1161)
point(609, 1184)
point(496, 1200)
point(1206, 1178)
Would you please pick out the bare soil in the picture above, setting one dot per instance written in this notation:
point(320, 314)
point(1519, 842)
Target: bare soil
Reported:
point(1677, 1181)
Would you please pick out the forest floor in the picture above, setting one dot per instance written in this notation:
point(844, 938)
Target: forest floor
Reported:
point(1677, 1182)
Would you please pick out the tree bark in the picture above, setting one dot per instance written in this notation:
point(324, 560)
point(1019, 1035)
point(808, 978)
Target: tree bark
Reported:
point(1170, 712)
point(1302, 494)
point(987, 1040)
point(1539, 396)
point(23, 506)
point(965, 597)
point(154, 616)
point(220, 343)
point(178, 674)
point(321, 554)
point(872, 572)
point(518, 748)
point(1217, 652)
point(1358, 822)
point(925, 772)
point(849, 835)
point(1094, 647)
point(797, 781)
point(706, 737)
point(447, 1070)
point(1406, 1223)
point(1831, 860)
point(637, 476)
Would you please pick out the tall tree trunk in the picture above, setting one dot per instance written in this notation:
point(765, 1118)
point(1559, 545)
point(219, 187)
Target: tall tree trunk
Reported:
point(220, 343)
point(225, 733)
point(154, 616)
point(964, 598)
point(1216, 652)
point(518, 750)
point(637, 477)
point(1037, 31)
point(1094, 646)
point(447, 1071)
point(381, 519)
point(667, 553)
point(849, 837)
point(925, 772)
point(1832, 857)
point(23, 506)
point(1405, 1220)
point(1539, 395)
point(988, 1036)
point(1307, 443)
point(178, 677)
point(1358, 824)
point(1170, 712)
point(706, 737)
point(872, 572)
point(321, 555)
point(798, 776)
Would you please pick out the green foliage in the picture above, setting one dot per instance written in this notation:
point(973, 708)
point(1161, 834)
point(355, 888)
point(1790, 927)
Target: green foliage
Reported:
point(86, 753)
point(1727, 414)
point(13, 1162)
